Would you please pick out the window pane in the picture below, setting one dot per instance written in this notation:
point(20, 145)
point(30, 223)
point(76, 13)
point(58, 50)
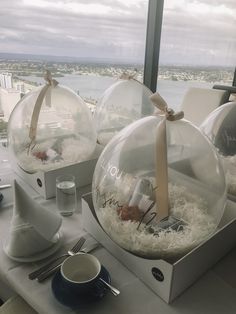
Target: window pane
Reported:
point(87, 45)
point(197, 46)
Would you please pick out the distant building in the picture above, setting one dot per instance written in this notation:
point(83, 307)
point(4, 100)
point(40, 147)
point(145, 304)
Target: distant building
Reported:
point(8, 100)
point(20, 87)
point(6, 80)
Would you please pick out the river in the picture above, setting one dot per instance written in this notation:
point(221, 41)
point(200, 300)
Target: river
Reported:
point(93, 86)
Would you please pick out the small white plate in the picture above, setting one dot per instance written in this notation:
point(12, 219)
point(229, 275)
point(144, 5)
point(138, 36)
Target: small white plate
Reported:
point(37, 256)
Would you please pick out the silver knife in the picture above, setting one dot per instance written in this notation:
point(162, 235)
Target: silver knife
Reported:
point(59, 259)
point(53, 269)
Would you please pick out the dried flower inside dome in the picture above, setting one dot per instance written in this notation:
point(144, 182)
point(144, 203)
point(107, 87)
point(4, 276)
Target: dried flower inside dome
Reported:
point(127, 212)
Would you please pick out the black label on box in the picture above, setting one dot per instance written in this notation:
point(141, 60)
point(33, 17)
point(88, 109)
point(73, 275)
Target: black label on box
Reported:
point(157, 274)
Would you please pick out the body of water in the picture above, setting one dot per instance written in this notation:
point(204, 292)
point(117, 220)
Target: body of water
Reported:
point(92, 86)
point(173, 91)
point(89, 86)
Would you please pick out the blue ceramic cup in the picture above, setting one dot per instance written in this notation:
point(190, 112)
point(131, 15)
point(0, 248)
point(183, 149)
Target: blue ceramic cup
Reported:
point(80, 273)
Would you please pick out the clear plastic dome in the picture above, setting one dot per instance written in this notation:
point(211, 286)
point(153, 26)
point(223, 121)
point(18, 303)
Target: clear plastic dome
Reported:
point(220, 128)
point(124, 185)
point(57, 133)
point(121, 104)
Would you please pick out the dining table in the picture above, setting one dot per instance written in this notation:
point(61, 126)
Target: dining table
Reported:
point(213, 293)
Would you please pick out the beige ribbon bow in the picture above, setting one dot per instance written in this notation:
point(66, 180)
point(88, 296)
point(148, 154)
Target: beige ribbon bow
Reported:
point(162, 199)
point(38, 104)
point(127, 76)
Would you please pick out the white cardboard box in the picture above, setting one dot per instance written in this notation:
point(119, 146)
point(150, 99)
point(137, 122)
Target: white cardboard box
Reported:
point(44, 182)
point(168, 280)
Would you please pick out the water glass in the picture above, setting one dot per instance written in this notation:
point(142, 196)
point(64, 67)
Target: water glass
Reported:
point(66, 194)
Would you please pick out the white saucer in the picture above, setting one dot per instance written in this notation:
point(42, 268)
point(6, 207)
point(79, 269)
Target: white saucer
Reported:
point(38, 256)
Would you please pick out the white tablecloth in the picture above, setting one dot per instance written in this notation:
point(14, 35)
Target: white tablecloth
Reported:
point(213, 293)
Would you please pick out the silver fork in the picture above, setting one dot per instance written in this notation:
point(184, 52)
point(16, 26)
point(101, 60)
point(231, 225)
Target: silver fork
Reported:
point(74, 249)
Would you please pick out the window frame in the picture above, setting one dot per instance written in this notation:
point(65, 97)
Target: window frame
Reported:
point(153, 41)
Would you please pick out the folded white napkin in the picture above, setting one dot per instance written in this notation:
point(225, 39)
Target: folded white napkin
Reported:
point(33, 227)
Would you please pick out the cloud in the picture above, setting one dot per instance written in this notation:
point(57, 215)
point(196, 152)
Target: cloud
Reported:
point(194, 31)
point(75, 28)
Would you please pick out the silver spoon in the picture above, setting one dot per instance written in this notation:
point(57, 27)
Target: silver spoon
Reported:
point(113, 290)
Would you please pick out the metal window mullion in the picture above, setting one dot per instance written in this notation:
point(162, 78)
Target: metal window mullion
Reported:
point(234, 79)
point(153, 39)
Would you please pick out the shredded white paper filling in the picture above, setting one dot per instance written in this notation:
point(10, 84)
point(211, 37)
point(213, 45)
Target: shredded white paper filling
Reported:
point(71, 151)
point(168, 243)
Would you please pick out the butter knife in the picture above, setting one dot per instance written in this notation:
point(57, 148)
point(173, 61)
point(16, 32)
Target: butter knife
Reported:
point(57, 266)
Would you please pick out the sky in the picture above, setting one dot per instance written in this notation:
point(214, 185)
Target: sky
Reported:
point(194, 32)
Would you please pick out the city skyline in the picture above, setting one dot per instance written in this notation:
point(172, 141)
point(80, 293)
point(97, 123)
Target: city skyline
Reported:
point(195, 32)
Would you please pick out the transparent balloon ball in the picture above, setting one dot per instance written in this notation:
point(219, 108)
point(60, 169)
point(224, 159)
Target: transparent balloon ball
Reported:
point(124, 186)
point(63, 130)
point(220, 127)
point(121, 104)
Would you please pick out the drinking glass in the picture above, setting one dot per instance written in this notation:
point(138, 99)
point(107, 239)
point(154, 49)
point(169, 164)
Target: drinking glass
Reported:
point(66, 194)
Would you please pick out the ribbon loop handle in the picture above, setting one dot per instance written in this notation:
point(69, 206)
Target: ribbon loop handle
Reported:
point(161, 164)
point(38, 104)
